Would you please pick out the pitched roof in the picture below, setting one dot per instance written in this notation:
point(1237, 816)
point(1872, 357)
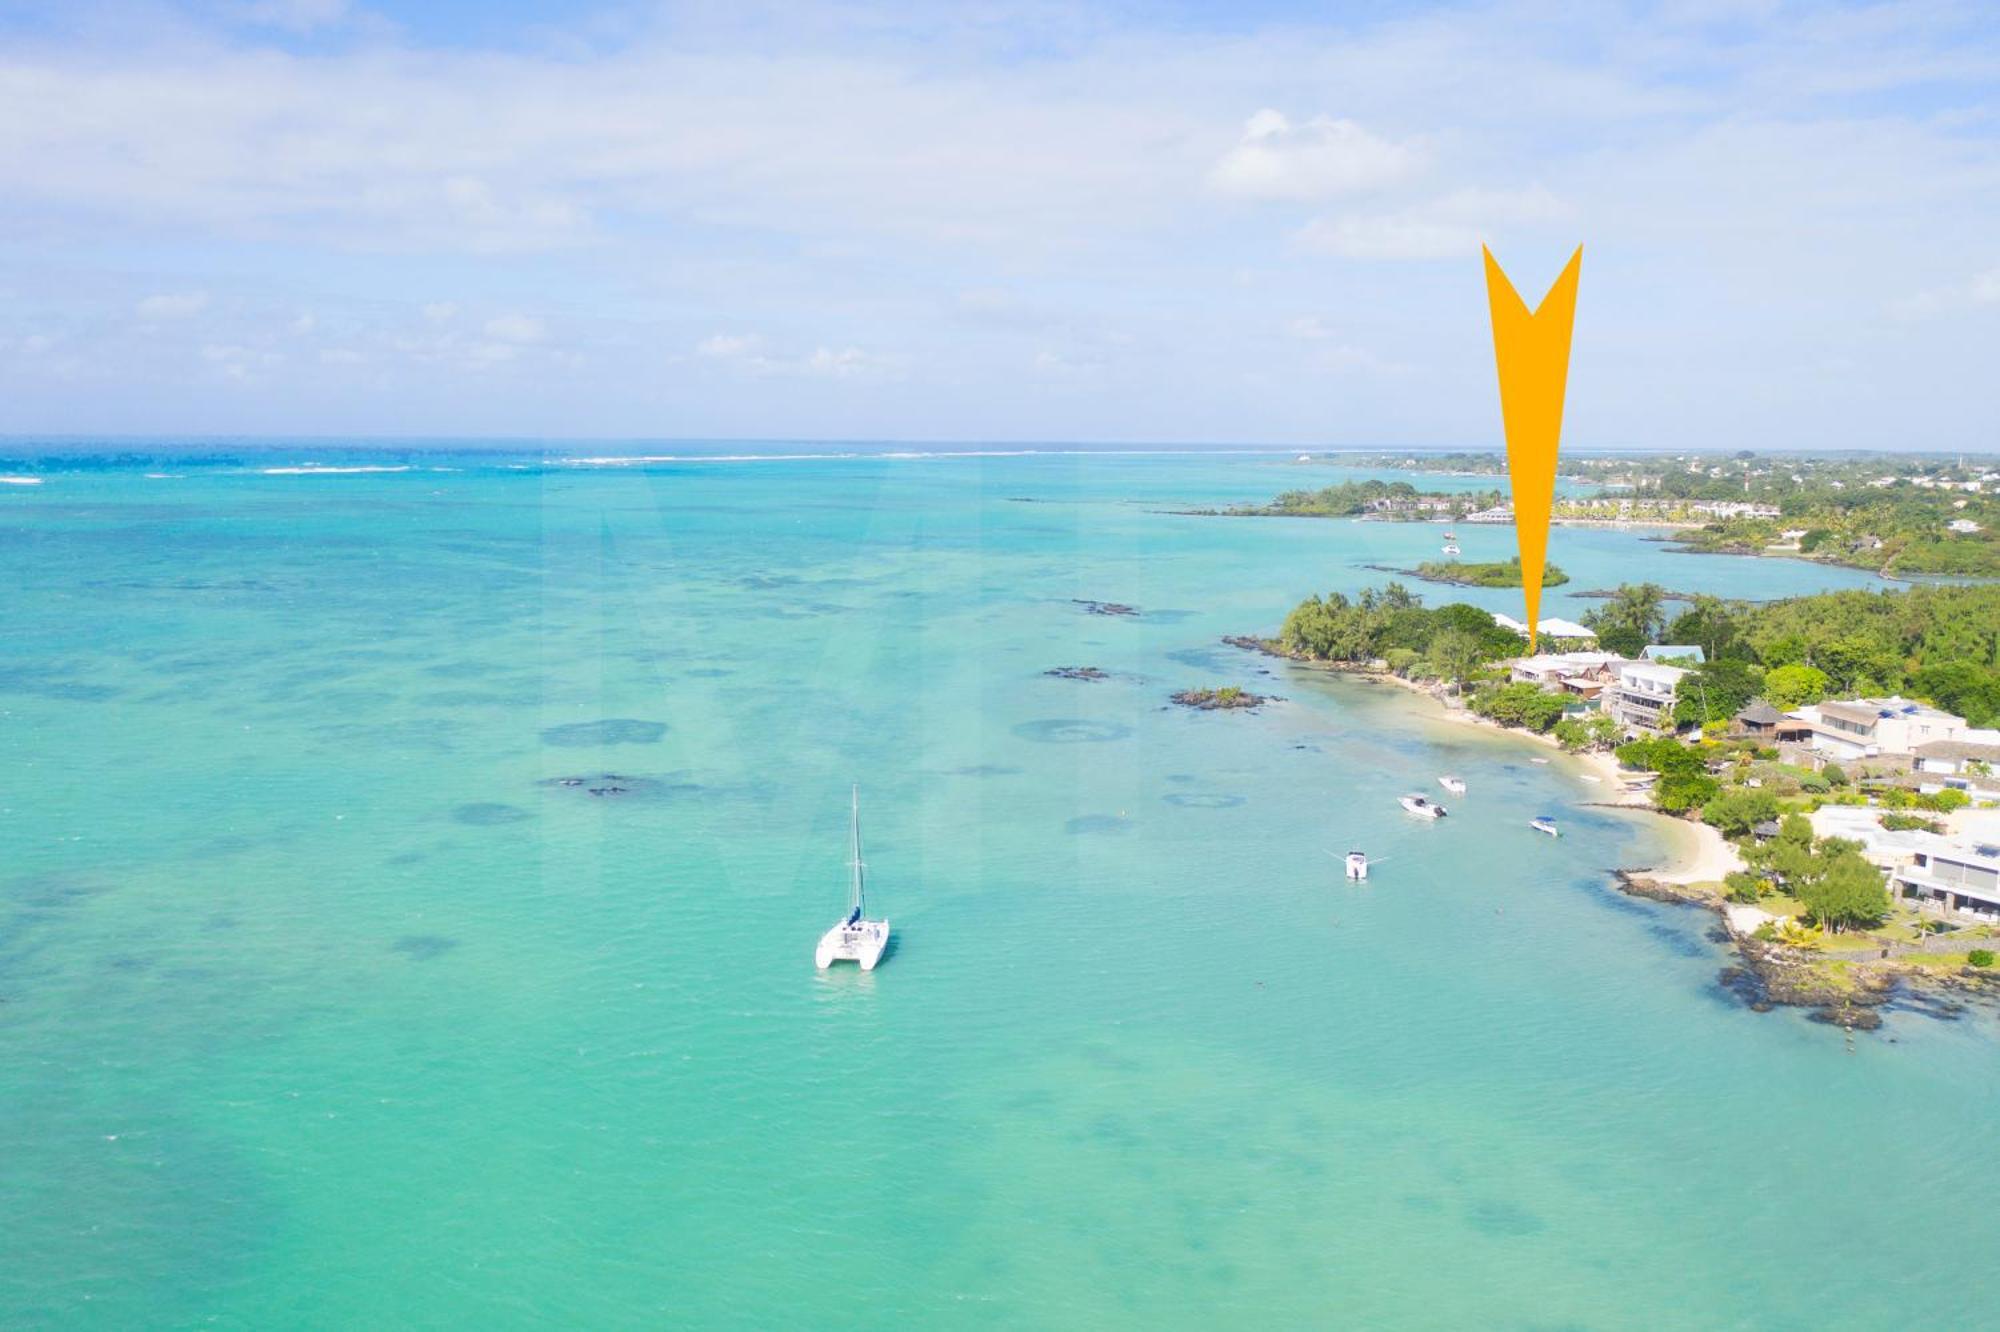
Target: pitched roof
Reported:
point(1760, 713)
point(1958, 749)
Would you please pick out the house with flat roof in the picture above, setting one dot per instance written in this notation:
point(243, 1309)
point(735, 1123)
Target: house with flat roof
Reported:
point(1871, 727)
point(1643, 695)
point(1959, 876)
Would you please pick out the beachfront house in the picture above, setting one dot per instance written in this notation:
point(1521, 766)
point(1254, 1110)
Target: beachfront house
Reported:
point(1954, 875)
point(1585, 675)
point(1643, 695)
point(1960, 765)
point(1861, 728)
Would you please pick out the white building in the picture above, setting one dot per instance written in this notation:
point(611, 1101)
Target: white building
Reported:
point(1870, 727)
point(1956, 875)
point(1643, 695)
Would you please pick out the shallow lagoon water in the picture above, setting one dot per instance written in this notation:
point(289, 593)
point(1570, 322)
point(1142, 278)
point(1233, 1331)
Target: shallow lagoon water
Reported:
point(408, 884)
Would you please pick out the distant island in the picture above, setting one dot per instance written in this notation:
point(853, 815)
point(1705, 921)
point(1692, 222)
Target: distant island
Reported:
point(1896, 514)
point(1391, 501)
point(1498, 573)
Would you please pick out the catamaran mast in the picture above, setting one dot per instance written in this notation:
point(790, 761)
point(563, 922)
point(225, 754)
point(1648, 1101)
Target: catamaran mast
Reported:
point(859, 903)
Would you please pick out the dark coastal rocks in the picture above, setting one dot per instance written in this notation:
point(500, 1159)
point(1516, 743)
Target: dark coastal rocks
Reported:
point(1635, 883)
point(1077, 673)
point(1227, 699)
point(1773, 975)
point(1071, 731)
point(489, 814)
point(610, 731)
point(1105, 607)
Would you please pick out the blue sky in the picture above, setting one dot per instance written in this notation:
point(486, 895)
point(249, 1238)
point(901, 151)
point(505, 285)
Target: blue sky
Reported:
point(996, 221)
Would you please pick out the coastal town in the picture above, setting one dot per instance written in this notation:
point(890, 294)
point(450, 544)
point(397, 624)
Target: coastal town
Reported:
point(1848, 835)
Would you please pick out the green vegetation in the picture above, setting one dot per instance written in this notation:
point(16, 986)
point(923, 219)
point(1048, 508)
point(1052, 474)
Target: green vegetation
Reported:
point(1450, 643)
point(1979, 957)
point(1936, 643)
point(1525, 705)
point(1735, 812)
point(1383, 499)
point(1500, 573)
point(1834, 885)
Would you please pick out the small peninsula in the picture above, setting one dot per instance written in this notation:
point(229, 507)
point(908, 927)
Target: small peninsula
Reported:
point(1498, 573)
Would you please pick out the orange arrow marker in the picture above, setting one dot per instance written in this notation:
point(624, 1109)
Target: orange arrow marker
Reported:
point(1532, 353)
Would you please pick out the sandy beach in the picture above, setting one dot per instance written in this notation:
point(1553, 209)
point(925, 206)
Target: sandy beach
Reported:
point(1697, 852)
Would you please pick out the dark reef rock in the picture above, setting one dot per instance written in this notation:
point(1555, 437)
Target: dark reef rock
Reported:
point(614, 785)
point(1105, 607)
point(1203, 800)
point(1072, 731)
point(1077, 673)
point(1229, 699)
point(1096, 823)
point(610, 731)
point(424, 947)
point(488, 814)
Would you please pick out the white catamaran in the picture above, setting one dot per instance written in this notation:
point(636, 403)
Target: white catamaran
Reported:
point(856, 938)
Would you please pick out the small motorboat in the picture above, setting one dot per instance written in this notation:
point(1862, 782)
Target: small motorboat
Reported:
point(1357, 865)
point(1452, 784)
point(1451, 548)
point(1538, 760)
point(1421, 806)
point(1544, 824)
point(1451, 536)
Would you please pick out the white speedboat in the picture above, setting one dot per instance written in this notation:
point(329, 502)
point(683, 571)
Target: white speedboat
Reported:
point(1421, 806)
point(1452, 784)
point(1451, 548)
point(1544, 824)
point(1357, 865)
point(856, 938)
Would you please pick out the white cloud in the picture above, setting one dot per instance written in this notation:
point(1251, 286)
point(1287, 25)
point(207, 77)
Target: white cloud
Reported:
point(173, 305)
point(301, 16)
point(1982, 289)
point(728, 346)
point(238, 362)
point(1309, 328)
point(747, 353)
point(1317, 159)
point(440, 312)
point(515, 328)
point(1448, 227)
point(844, 363)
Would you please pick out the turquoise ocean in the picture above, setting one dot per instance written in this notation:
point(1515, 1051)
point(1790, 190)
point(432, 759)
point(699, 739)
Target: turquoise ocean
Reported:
point(409, 881)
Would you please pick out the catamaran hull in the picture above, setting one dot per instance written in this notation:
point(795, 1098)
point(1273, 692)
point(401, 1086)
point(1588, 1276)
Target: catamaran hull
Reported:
point(862, 947)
